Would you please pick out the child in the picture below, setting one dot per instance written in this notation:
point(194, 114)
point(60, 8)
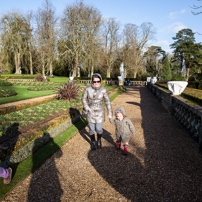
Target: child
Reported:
point(124, 128)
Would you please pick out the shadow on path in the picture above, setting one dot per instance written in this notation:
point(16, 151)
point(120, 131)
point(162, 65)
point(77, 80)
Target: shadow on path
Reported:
point(45, 183)
point(7, 146)
point(120, 171)
point(170, 168)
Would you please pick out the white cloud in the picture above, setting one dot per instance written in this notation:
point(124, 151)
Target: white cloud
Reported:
point(182, 11)
point(173, 28)
point(176, 27)
point(164, 44)
point(174, 14)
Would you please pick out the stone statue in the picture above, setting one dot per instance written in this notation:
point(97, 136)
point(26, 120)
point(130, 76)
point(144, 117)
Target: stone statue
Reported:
point(122, 71)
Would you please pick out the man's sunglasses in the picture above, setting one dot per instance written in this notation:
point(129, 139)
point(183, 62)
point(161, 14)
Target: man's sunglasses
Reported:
point(96, 81)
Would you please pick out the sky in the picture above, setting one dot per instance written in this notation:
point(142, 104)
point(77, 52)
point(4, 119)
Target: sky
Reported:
point(167, 16)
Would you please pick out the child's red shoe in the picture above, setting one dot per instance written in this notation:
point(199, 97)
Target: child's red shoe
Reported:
point(118, 145)
point(125, 149)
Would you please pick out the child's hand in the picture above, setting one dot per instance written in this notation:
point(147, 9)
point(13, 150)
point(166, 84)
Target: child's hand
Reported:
point(110, 116)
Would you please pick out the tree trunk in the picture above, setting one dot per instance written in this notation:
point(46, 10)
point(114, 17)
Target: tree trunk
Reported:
point(135, 73)
point(17, 63)
point(92, 70)
point(31, 67)
point(43, 70)
point(78, 72)
point(125, 73)
point(51, 68)
point(43, 65)
point(75, 65)
point(187, 71)
point(108, 72)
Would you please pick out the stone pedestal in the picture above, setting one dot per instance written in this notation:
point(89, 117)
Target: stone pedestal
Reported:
point(121, 82)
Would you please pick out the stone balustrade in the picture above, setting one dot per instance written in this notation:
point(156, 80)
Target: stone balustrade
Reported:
point(137, 83)
point(116, 82)
point(85, 81)
point(188, 115)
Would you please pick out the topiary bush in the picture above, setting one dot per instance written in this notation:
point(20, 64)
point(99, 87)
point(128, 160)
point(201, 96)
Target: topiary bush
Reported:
point(69, 91)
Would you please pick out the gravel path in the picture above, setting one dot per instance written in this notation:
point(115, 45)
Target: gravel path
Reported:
point(163, 163)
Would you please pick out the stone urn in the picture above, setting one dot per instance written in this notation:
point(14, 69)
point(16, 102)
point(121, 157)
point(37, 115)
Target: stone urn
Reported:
point(71, 78)
point(176, 87)
point(149, 79)
point(153, 80)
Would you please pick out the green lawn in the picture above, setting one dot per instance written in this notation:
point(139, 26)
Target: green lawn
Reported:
point(58, 79)
point(23, 93)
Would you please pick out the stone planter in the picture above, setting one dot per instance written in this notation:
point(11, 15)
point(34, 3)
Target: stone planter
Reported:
point(176, 87)
point(148, 79)
point(153, 80)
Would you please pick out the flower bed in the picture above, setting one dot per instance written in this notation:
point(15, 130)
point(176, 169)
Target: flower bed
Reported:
point(7, 93)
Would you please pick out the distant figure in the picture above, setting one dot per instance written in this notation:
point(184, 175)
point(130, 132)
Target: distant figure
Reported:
point(6, 174)
point(124, 128)
point(128, 83)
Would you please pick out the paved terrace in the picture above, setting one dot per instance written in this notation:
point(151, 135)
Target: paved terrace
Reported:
point(163, 163)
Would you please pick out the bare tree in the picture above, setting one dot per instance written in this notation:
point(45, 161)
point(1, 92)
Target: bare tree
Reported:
point(111, 40)
point(135, 40)
point(196, 8)
point(79, 27)
point(30, 41)
point(93, 45)
point(46, 36)
point(14, 29)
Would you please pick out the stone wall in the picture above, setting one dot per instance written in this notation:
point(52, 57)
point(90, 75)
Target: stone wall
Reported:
point(187, 114)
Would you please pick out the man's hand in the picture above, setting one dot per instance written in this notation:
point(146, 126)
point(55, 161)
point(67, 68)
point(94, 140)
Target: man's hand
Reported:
point(110, 116)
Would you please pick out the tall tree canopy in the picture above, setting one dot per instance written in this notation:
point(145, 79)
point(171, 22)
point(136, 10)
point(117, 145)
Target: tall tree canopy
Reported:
point(15, 31)
point(78, 28)
point(186, 51)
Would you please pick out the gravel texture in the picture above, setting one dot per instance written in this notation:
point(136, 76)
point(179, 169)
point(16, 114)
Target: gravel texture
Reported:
point(163, 163)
